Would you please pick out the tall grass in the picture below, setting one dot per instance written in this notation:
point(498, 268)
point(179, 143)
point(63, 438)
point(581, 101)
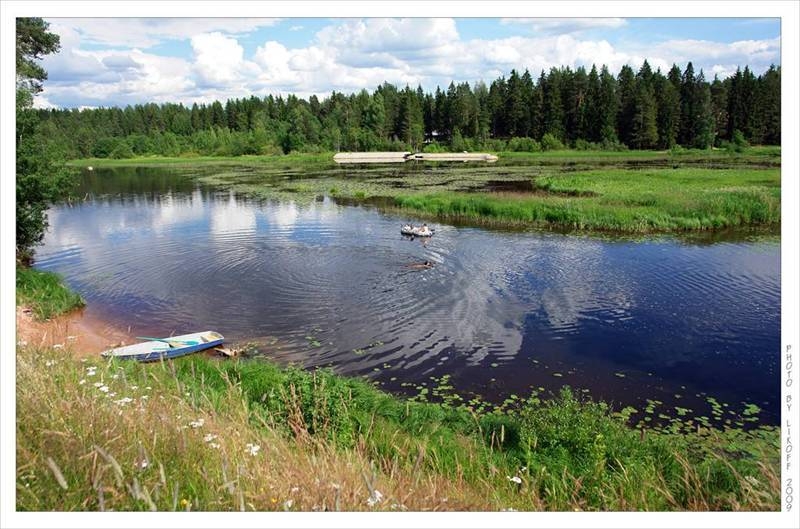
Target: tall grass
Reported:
point(182, 435)
point(621, 200)
point(45, 293)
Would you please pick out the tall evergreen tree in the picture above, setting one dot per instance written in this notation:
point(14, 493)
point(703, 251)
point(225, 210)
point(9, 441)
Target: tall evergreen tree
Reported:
point(644, 131)
point(552, 109)
point(626, 81)
point(669, 112)
point(609, 104)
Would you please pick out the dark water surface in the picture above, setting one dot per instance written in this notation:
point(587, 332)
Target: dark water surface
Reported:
point(502, 313)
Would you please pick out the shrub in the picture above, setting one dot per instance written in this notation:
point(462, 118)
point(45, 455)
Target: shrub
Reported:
point(523, 145)
point(551, 143)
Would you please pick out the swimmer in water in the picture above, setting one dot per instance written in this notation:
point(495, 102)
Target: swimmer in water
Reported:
point(421, 266)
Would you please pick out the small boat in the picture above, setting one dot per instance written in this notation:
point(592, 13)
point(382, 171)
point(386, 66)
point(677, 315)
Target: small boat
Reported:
point(166, 348)
point(416, 231)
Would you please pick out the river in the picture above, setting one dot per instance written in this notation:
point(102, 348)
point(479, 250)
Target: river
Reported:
point(683, 323)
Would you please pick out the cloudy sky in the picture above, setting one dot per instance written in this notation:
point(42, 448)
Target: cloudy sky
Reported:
point(107, 61)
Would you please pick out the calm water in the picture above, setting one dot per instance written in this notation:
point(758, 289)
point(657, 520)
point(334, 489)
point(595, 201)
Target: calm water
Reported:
point(327, 284)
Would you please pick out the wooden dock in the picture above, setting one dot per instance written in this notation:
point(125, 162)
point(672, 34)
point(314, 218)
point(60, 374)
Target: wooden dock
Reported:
point(400, 157)
point(371, 157)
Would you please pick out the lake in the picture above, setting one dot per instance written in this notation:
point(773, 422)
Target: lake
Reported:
point(664, 323)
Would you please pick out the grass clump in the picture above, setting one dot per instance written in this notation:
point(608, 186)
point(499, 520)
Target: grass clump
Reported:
point(205, 435)
point(45, 293)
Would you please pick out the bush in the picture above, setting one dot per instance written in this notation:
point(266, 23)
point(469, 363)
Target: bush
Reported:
point(583, 145)
point(738, 143)
point(613, 145)
point(434, 147)
point(523, 145)
point(551, 143)
point(122, 151)
point(495, 145)
point(104, 147)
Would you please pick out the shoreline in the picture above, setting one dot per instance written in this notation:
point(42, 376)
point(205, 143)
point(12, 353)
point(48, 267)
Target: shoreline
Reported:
point(82, 334)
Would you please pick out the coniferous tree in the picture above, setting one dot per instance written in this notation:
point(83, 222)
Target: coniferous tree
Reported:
point(592, 109)
point(626, 82)
point(669, 112)
point(644, 130)
point(552, 109)
point(719, 108)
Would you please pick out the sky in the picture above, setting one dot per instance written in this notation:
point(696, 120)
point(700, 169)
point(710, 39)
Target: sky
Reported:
point(121, 61)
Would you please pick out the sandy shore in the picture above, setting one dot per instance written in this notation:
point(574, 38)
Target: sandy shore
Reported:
point(76, 331)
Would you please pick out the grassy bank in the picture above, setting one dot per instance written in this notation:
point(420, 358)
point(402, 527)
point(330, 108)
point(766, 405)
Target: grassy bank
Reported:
point(200, 434)
point(622, 200)
point(45, 293)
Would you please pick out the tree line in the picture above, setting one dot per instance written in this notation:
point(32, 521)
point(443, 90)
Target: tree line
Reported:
point(642, 109)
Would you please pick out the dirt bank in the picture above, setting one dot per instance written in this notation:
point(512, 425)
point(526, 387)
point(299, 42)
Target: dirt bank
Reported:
point(76, 331)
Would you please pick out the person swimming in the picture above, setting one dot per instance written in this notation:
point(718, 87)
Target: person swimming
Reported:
point(421, 266)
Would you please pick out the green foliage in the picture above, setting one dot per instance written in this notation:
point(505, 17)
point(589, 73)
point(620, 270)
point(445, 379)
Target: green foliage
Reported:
point(643, 110)
point(549, 445)
point(551, 143)
point(523, 145)
point(45, 293)
point(33, 43)
point(39, 180)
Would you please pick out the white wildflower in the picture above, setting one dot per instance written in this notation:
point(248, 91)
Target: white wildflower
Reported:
point(288, 504)
point(58, 346)
point(294, 489)
point(252, 449)
point(112, 394)
point(134, 388)
point(515, 479)
point(145, 397)
point(198, 423)
point(115, 376)
point(148, 387)
point(50, 363)
point(374, 498)
point(123, 401)
point(209, 437)
point(103, 388)
point(213, 445)
point(82, 382)
point(98, 384)
point(22, 343)
point(144, 464)
point(72, 337)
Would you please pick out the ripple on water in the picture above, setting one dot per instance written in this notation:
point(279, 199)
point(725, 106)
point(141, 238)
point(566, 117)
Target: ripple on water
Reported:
point(332, 285)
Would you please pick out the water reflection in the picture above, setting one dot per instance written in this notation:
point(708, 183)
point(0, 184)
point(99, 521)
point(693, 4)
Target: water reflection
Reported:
point(327, 284)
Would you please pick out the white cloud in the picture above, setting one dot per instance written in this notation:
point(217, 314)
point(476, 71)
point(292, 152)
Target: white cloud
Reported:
point(219, 60)
point(549, 26)
point(147, 32)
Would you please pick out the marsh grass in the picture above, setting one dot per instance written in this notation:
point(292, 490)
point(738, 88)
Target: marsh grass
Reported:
point(183, 435)
point(621, 200)
point(45, 293)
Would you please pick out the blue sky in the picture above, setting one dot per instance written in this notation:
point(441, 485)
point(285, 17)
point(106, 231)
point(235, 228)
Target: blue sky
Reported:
point(107, 62)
